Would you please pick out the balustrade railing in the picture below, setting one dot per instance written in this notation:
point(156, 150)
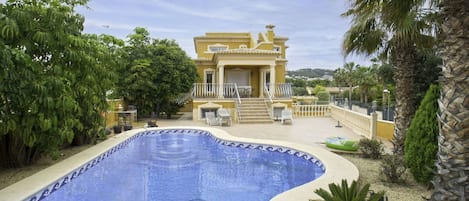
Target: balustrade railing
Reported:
point(207, 90)
point(311, 110)
point(283, 90)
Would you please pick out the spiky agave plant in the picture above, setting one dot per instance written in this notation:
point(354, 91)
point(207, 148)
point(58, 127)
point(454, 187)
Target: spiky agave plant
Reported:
point(344, 192)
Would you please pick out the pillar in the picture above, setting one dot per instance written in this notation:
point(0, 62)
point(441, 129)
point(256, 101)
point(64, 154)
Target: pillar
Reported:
point(221, 78)
point(272, 80)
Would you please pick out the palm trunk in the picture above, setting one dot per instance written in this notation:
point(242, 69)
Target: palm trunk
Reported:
point(451, 181)
point(404, 61)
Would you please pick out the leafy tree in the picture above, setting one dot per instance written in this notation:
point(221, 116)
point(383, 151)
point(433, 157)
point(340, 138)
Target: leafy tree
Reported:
point(53, 81)
point(159, 73)
point(421, 144)
point(428, 69)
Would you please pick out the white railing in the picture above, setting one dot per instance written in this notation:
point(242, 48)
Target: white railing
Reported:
point(237, 93)
point(311, 110)
point(206, 90)
point(267, 93)
point(283, 90)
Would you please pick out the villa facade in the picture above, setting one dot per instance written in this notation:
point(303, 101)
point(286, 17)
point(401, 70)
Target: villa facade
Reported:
point(237, 70)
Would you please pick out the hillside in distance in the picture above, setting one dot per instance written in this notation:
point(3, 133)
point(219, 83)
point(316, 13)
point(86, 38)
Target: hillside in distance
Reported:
point(310, 72)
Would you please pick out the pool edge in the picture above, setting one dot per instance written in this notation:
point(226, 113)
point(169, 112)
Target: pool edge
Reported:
point(337, 168)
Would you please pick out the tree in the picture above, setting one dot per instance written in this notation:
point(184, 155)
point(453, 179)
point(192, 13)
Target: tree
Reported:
point(428, 69)
point(53, 80)
point(451, 181)
point(348, 75)
point(365, 79)
point(159, 73)
point(421, 144)
point(394, 31)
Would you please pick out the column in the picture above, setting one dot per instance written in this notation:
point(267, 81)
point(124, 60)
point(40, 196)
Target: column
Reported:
point(221, 78)
point(261, 83)
point(272, 80)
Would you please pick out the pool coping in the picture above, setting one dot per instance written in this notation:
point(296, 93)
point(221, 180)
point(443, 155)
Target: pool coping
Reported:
point(337, 168)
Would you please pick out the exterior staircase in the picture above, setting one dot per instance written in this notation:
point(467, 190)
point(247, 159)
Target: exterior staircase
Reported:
point(253, 110)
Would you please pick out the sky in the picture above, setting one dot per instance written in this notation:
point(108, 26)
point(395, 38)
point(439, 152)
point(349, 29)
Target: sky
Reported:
point(314, 27)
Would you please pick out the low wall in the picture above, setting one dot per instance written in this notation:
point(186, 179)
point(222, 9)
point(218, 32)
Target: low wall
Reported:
point(385, 129)
point(359, 123)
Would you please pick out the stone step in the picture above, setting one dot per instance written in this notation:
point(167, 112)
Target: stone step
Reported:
point(255, 121)
point(253, 110)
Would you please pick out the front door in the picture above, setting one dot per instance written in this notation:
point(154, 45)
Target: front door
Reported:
point(242, 80)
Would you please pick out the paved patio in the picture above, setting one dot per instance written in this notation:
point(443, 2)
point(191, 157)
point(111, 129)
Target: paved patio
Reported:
point(309, 131)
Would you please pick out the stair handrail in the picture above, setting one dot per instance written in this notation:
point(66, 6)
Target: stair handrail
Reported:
point(237, 103)
point(237, 93)
point(267, 93)
point(270, 101)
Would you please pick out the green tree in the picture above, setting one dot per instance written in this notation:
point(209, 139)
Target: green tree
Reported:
point(421, 144)
point(49, 75)
point(159, 73)
point(395, 31)
point(428, 69)
point(365, 79)
point(347, 76)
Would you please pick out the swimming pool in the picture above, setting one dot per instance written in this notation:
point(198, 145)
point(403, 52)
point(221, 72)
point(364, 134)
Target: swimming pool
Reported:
point(179, 173)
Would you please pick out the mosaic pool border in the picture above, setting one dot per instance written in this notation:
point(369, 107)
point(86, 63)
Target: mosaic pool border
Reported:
point(78, 171)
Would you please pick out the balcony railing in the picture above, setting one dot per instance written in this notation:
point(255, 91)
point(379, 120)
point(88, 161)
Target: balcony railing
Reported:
point(204, 90)
point(231, 90)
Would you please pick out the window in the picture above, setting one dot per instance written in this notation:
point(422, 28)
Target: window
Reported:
point(209, 80)
point(204, 110)
point(276, 48)
point(217, 47)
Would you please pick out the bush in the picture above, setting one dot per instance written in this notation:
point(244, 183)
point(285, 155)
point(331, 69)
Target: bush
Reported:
point(371, 148)
point(345, 193)
point(393, 168)
point(421, 144)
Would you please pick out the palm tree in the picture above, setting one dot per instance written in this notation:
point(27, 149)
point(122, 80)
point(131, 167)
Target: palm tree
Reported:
point(378, 26)
point(366, 78)
point(451, 181)
point(349, 76)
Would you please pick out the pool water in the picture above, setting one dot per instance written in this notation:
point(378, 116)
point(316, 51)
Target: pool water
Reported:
point(188, 166)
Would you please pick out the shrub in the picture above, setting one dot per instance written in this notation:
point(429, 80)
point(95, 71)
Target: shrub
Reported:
point(353, 192)
point(393, 168)
point(421, 144)
point(371, 148)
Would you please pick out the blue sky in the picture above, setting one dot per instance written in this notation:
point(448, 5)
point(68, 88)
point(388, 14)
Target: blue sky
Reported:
point(314, 27)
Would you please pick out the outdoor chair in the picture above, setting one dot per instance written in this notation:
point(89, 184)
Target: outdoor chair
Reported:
point(211, 119)
point(287, 114)
point(225, 117)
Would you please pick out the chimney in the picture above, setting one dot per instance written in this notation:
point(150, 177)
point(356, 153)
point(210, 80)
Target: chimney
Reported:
point(270, 32)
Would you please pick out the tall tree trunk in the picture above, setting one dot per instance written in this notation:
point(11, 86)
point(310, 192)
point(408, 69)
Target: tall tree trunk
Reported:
point(14, 153)
point(451, 181)
point(404, 61)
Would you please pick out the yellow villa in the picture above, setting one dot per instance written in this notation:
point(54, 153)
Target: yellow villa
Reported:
point(242, 74)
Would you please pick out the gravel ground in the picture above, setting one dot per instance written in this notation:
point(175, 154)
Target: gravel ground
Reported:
point(369, 173)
